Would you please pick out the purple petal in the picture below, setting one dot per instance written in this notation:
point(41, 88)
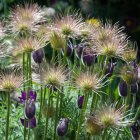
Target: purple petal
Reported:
point(30, 109)
point(80, 101)
point(22, 122)
point(23, 97)
point(33, 122)
point(32, 95)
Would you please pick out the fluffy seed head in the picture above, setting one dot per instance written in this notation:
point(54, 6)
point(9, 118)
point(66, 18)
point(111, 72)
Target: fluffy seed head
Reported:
point(88, 82)
point(69, 25)
point(10, 81)
point(25, 18)
point(109, 40)
point(57, 41)
point(92, 126)
point(29, 44)
point(131, 52)
point(53, 76)
point(129, 74)
point(110, 116)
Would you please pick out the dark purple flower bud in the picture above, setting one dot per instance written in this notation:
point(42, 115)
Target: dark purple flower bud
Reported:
point(135, 70)
point(123, 88)
point(79, 50)
point(134, 88)
point(80, 101)
point(88, 56)
point(135, 130)
point(31, 95)
point(22, 122)
point(30, 109)
point(33, 122)
point(23, 97)
point(62, 127)
point(69, 50)
point(38, 55)
point(109, 69)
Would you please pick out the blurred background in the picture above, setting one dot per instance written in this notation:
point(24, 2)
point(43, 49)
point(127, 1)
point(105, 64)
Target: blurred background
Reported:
point(127, 12)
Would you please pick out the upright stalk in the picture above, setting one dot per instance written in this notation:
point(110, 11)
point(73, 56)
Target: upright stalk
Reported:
point(29, 131)
point(8, 114)
point(56, 114)
point(82, 115)
point(47, 115)
point(41, 103)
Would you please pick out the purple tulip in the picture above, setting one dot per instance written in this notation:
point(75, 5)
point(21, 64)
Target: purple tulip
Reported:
point(31, 122)
point(122, 89)
point(30, 109)
point(88, 56)
point(62, 127)
point(134, 88)
point(80, 101)
point(38, 56)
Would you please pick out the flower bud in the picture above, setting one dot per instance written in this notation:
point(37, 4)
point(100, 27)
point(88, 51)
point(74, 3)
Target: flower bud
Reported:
point(88, 56)
point(38, 55)
point(69, 50)
point(80, 101)
point(135, 131)
point(31, 122)
point(134, 88)
point(30, 109)
point(79, 50)
point(57, 41)
point(109, 69)
point(122, 88)
point(62, 127)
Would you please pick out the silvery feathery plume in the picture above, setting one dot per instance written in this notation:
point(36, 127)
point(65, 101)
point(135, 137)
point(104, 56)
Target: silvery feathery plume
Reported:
point(131, 52)
point(108, 116)
point(52, 76)
point(109, 40)
point(25, 18)
point(10, 81)
point(69, 25)
point(30, 44)
point(90, 82)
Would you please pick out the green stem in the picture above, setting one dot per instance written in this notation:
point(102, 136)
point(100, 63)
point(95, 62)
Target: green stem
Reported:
point(94, 102)
point(41, 98)
point(82, 115)
point(133, 104)
point(105, 65)
point(104, 134)
point(23, 69)
point(8, 114)
point(60, 106)
point(117, 136)
point(30, 70)
point(53, 56)
point(29, 131)
point(56, 114)
point(24, 128)
point(47, 115)
point(137, 114)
